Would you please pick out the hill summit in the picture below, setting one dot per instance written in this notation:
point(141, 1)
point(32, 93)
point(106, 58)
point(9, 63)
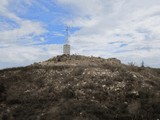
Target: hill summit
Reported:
point(73, 87)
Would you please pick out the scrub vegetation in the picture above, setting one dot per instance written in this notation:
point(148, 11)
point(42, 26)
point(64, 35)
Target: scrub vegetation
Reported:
point(80, 88)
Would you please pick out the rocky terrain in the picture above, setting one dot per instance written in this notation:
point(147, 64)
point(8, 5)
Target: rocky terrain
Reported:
point(80, 88)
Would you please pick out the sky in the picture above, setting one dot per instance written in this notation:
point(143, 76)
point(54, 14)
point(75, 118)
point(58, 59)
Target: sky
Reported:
point(34, 30)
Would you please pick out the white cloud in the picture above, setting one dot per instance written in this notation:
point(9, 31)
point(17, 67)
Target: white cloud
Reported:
point(134, 23)
point(27, 28)
point(24, 55)
point(126, 29)
point(58, 34)
point(16, 35)
point(19, 28)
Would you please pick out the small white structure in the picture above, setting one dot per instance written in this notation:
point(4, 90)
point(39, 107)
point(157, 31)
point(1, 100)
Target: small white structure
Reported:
point(66, 47)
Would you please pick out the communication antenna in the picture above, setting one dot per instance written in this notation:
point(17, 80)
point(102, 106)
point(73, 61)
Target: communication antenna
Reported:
point(66, 47)
point(67, 34)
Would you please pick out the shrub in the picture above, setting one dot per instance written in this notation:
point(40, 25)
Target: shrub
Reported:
point(68, 93)
point(2, 92)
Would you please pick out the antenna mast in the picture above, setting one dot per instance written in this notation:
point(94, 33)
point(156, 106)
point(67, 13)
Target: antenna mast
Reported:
point(66, 47)
point(67, 34)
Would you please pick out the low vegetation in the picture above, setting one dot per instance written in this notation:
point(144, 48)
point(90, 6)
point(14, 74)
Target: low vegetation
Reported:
point(80, 88)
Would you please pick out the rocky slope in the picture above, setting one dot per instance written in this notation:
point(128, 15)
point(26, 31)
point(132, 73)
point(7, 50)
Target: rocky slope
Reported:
point(80, 88)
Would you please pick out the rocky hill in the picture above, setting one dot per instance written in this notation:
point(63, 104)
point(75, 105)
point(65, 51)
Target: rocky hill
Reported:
point(80, 88)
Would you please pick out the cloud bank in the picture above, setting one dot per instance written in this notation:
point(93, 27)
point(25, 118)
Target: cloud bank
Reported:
point(19, 36)
point(128, 30)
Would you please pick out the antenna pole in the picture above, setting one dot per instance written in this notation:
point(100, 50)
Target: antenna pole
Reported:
point(67, 34)
point(66, 47)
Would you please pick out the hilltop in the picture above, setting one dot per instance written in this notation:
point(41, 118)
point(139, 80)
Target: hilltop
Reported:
point(80, 88)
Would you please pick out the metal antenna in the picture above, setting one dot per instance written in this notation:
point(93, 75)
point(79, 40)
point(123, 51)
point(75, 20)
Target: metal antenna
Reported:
point(67, 34)
point(66, 47)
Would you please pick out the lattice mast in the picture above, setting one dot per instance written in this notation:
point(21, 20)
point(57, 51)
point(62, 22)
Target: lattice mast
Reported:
point(67, 34)
point(66, 47)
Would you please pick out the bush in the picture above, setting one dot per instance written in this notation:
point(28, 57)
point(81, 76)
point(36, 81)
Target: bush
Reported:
point(67, 93)
point(78, 71)
point(2, 92)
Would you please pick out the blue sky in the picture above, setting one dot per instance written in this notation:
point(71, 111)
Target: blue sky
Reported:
point(34, 30)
